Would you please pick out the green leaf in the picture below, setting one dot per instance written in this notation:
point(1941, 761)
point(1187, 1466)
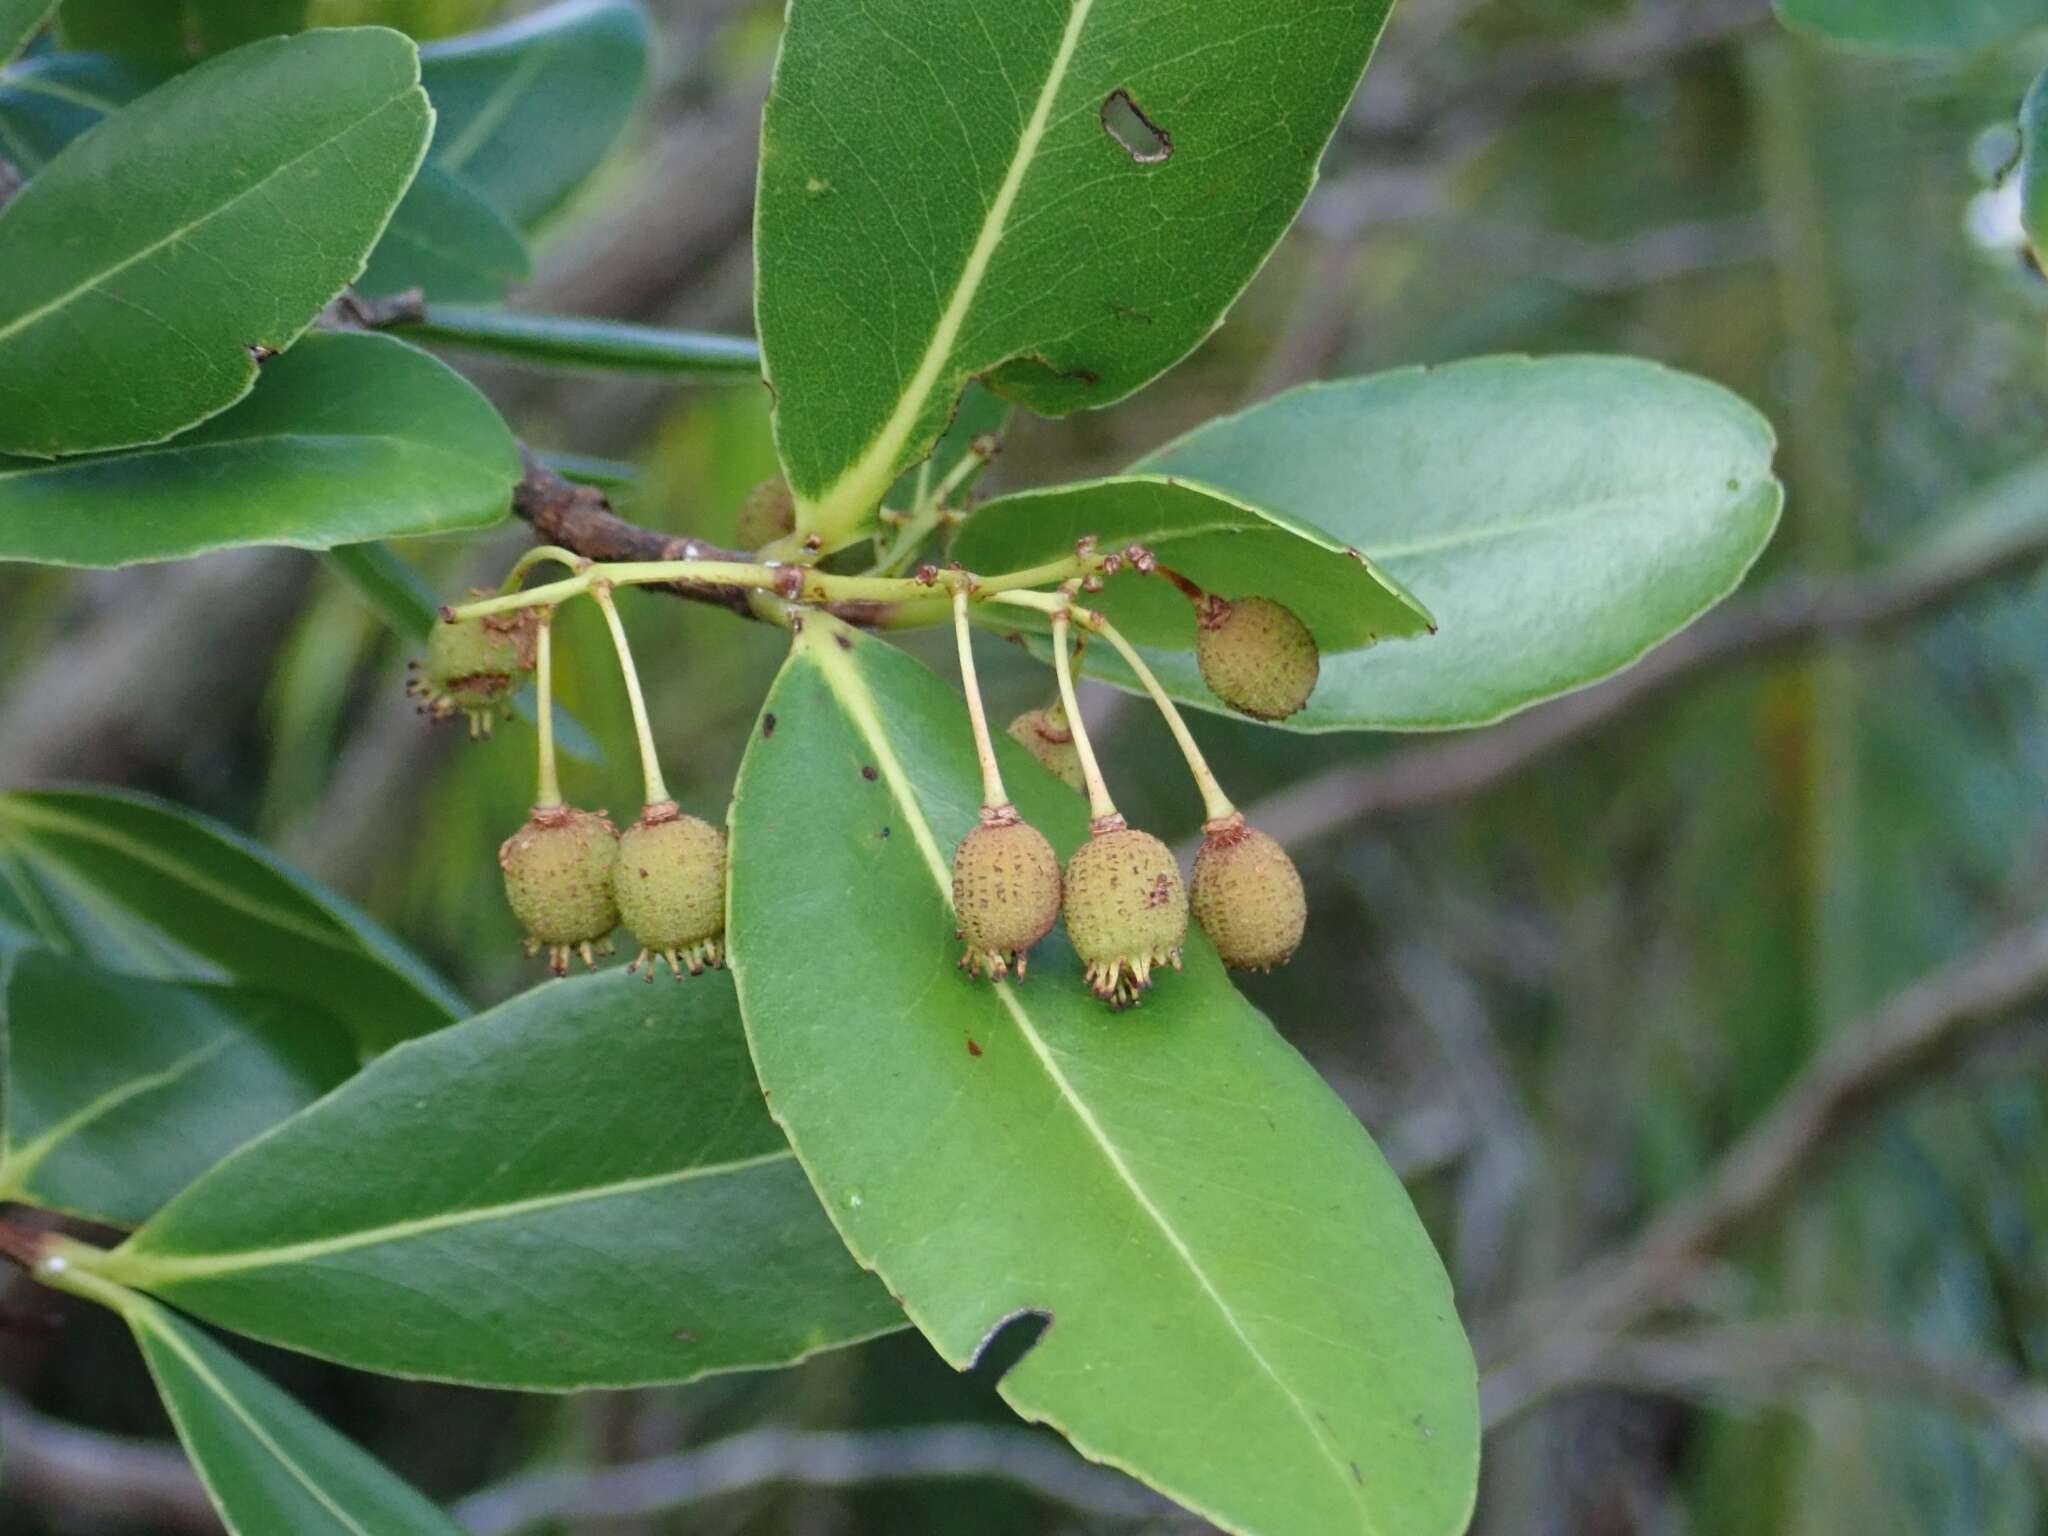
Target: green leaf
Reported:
point(1559, 517)
point(1245, 1310)
point(136, 28)
point(1222, 544)
point(983, 414)
point(447, 240)
point(121, 1091)
point(45, 103)
point(597, 1149)
point(529, 109)
point(211, 904)
point(574, 341)
point(945, 193)
point(19, 21)
point(269, 1465)
point(2033, 166)
point(349, 438)
point(216, 215)
point(1945, 26)
point(216, 25)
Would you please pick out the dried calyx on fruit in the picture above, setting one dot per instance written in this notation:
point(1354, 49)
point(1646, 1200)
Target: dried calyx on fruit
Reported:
point(1248, 896)
point(558, 878)
point(474, 665)
point(1046, 735)
point(1006, 893)
point(1127, 911)
point(1256, 656)
point(670, 884)
point(1006, 878)
point(768, 514)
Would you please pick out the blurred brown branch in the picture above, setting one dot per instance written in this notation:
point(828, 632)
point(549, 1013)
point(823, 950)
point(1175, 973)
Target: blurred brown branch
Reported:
point(1544, 1345)
point(1456, 767)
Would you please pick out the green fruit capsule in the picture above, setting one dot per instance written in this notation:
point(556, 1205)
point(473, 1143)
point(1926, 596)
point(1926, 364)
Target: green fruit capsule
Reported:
point(474, 666)
point(1006, 893)
point(768, 514)
point(558, 878)
point(1256, 656)
point(1127, 910)
point(670, 884)
point(1047, 736)
point(1248, 896)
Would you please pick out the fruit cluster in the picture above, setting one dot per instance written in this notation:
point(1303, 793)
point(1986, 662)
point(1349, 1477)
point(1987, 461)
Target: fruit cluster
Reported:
point(572, 877)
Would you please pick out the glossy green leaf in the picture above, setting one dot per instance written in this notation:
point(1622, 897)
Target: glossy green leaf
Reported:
point(947, 191)
point(1245, 1310)
point(596, 1151)
point(269, 1466)
point(214, 216)
point(349, 438)
point(121, 1091)
point(176, 29)
point(528, 110)
point(981, 418)
point(45, 103)
point(1558, 517)
point(19, 21)
point(447, 240)
point(105, 867)
point(1223, 545)
point(1916, 25)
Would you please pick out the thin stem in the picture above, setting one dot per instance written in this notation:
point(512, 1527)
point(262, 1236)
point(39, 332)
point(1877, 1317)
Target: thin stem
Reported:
point(1216, 804)
point(1100, 806)
point(569, 340)
point(535, 556)
point(650, 765)
point(993, 795)
point(549, 793)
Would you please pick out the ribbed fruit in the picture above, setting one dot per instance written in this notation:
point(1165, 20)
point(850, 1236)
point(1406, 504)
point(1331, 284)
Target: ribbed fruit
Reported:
point(558, 877)
point(1248, 896)
point(1127, 911)
point(670, 884)
point(1256, 656)
point(1006, 893)
point(473, 667)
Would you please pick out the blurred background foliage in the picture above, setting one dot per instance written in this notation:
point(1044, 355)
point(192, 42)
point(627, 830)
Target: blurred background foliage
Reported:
point(1554, 1001)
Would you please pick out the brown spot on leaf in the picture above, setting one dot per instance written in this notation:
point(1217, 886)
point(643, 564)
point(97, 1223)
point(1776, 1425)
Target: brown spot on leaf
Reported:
point(767, 725)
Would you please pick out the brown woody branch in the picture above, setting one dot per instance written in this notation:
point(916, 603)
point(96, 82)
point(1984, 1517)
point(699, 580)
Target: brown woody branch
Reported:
point(1916, 1035)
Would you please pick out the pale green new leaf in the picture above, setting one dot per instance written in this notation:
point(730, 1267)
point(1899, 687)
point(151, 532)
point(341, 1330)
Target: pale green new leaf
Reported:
point(348, 438)
point(595, 1151)
point(1559, 517)
point(195, 230)
point(1933, 26)
point(269, 1465)
point(135, 883)
point(1244, 1309)
point(120, 1091)
point(951, 188)
point(528, 110)
point(1223, 545)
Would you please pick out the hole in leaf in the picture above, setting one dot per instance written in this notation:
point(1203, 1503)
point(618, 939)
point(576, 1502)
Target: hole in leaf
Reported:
point(1143, 140)
point(1007, 1343)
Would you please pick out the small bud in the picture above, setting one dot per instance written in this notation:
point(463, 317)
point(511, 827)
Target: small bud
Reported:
point(768, 514)
point(670, 884)
point(474, 665)
point(1046, 735)
point(1006, 893)
point(558, 878)
point(1256, 656)
point(1127, 910)
point(1248, 896)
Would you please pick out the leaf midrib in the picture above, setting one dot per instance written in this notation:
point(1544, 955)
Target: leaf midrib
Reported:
point(134, 1264)
point(842, 677)
point(97, 279)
